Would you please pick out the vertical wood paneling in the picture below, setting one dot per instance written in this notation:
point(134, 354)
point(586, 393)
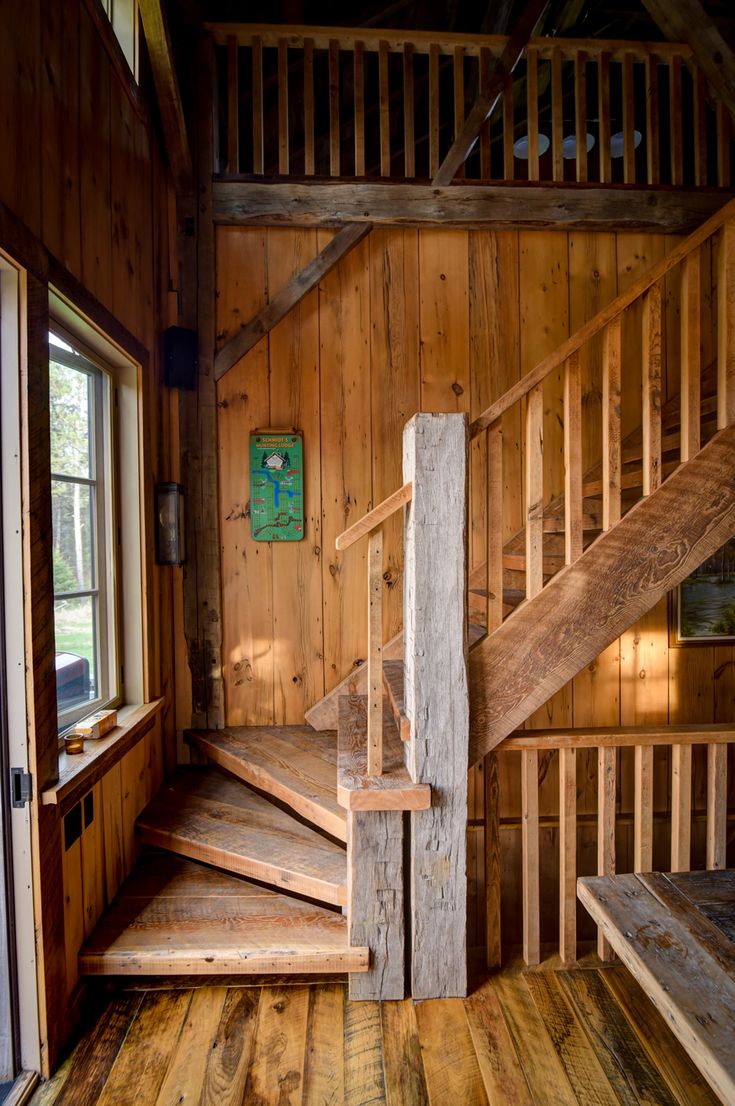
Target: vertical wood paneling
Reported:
point(344, 343)
point(298, 666)
point(60, 134)
point(20, 118)
point(444, 321)
point(247, 565)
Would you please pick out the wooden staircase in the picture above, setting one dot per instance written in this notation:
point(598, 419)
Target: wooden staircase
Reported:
point(299, 811)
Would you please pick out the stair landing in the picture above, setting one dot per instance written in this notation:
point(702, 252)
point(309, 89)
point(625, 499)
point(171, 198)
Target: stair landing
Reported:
point(204, 814)
point(175, 917)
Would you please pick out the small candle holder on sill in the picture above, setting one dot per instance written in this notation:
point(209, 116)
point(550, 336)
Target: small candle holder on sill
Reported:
point(73, 743)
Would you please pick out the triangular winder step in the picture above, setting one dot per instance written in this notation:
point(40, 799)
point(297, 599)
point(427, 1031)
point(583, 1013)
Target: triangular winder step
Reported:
point(175, 917)
point(206, 815)
point(294, 764)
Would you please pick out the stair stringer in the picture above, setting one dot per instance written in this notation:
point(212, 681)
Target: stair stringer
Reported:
point(549, 639)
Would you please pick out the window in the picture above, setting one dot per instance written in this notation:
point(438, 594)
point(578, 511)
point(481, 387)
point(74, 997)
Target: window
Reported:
point(123, 15)
point(84, 550)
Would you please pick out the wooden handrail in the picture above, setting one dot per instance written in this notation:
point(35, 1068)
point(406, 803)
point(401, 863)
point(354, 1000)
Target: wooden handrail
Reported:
point(619, 737)
point(602, 319)
point(421, 41)
point(374, 518)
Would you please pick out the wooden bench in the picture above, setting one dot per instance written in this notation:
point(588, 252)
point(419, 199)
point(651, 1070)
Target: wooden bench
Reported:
point(676, 934)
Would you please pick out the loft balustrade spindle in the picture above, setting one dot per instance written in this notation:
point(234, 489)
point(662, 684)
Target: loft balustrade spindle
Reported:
point(716, 807)
point(483, 80)
point(283, 141)
point(458, 76)
point(580, 113)
point(258, 130)
point(494, 526)
point(359, 107)
point(508, 132)
point(724, 142)
point(675, 117)
point(309, 160)
point(629, 173)
point(532, 113)
point(557, 116)
point(603, 110)
point(409, 140)
point(573, 520)
point(334, 130)
point(232, 164)
point(653, 158)
point(384, 93)
point(643, 809)
point(606, 797)
point(681, 807)
point(530, 857)
point(611, 417)
point(568, 855)
point(700, 128)
point(434, 108)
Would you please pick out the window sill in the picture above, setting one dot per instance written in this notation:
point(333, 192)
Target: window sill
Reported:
point(78, 773)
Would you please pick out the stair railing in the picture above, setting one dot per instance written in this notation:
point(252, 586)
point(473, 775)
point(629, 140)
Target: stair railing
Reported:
point(371, 526)
point(324, 102)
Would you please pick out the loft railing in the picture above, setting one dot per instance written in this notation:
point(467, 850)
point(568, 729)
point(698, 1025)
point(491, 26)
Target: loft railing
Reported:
point(336, 102)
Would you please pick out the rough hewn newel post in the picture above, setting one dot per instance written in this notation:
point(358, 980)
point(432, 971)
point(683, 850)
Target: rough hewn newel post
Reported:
point(435, 450)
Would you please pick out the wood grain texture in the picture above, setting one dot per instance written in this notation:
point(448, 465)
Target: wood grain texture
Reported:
point(357, 787)
point(647, 546)
point(437, 705)
point(376, 904)
point(202, 814)
point(294, 764)
point(678, 971)
point(173, 917)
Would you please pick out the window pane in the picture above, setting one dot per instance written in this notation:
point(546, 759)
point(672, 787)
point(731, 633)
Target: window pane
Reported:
point(71, 506)
point(76, 653)
point(71, 442)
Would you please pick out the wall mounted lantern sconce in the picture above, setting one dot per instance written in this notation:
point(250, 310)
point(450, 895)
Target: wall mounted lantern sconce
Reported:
point(169, 523)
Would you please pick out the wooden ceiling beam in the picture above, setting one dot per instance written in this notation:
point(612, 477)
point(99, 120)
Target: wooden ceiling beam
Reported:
point(497, 82)
point(495, 206)
point(157, 37)
point(687, 21)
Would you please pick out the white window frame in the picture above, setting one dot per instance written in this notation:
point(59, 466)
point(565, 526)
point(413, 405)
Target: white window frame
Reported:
point(123, 17)
point(125, 536)
point(102, 589)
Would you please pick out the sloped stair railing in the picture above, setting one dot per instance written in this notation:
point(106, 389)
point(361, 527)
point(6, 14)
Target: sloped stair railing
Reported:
point(502, 695)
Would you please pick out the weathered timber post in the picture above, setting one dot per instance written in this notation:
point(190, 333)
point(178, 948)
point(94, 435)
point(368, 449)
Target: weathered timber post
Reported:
point(437, 700)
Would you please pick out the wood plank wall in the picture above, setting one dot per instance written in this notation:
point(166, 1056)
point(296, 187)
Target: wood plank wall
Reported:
point(439, 321)
point(83, 175)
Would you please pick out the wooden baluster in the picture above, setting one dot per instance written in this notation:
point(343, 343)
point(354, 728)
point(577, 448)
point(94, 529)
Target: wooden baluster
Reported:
point(485, 166)
point(690, 356)
point(681, 807)
point(557, 116)
point(716, 806)
point(409, 141)
point(258, 152)
point(534, 491)
point(532, 112)
point(653, 157)
point(458, 74)
point(723, 145)
point(652, 341)
point(726, 327)
point(606, 791)
point(433, 109)
point(283, 151)
point(603, 108)
point(568, 854)
point(611, 458)
point(675, 122)
point(359, 81)
point(643, 809)
point(508, 131)
point(334, 129)
point(530, 857)
point(233, 108)
point(375, 654)
point(492, 860)
point(628, 120)
point(384, 91)
point(580, 112)
point(309, 164)
point(700, 128)
point(494, 525)
point(573, 518)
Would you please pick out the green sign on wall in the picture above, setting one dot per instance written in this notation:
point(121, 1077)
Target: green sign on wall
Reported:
point(276, 485)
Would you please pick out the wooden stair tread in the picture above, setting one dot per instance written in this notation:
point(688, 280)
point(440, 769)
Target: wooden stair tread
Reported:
point(175, 917)
point(295, 764)
point(394, 789)
point(206, 815)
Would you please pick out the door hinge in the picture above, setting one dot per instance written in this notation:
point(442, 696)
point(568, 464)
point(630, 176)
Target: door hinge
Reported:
point(21, 787)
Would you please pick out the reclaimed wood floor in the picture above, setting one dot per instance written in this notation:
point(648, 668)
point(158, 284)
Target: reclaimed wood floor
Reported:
point(585, 1036)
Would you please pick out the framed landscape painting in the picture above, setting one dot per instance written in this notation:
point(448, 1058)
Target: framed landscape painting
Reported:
point(704, 604)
